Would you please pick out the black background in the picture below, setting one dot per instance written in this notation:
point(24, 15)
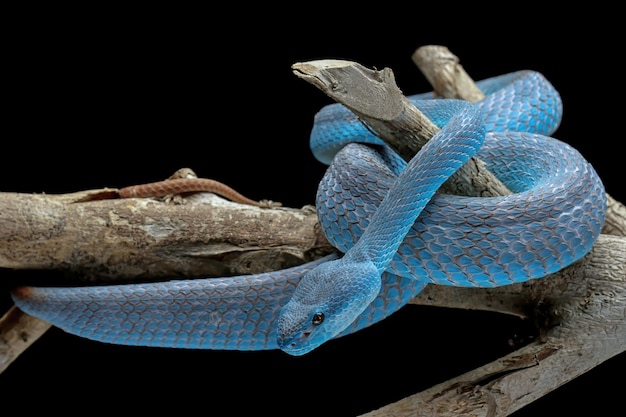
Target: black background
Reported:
point(120, 97)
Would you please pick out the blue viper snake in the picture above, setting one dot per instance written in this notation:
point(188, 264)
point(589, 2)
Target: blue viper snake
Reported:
point(394, 233)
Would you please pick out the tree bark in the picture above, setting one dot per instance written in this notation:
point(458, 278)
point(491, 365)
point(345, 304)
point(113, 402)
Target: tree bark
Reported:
point(563, 305)
point(583, 311)
point(376, 100)
point(98, 237)
point(116, 239)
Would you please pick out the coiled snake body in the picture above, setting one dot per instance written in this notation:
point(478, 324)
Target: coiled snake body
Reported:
point(397, 234)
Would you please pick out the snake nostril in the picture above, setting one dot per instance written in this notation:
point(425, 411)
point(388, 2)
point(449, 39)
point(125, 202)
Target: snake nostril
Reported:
point(306, 334)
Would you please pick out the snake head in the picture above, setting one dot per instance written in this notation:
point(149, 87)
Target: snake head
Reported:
point(326, 301)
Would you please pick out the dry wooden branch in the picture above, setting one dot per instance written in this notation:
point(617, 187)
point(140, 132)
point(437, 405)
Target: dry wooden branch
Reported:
point(375, 99)
point(586, 309)
point(18, 331)
point(582, 307)
point(445, 73)
point(504, 386)
point(98, 238)
point(125, 239)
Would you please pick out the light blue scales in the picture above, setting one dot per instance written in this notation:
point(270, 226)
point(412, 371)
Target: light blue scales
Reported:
point(552, 219)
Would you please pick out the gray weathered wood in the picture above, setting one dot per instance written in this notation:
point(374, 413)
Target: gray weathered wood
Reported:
point(376, 100)
point(587, 307)
point(583, 305)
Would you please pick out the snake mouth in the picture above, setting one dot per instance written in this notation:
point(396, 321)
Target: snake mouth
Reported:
point(294, 350)
point(296, 345)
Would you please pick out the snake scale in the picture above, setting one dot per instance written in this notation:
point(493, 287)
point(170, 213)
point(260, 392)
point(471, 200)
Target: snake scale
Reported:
point(394, 233)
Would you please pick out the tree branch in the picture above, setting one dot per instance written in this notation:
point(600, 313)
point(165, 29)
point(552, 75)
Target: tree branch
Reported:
point(445, 73)
point(127, 239)
point(94, 237)
point(585, 308)
point(376, 100)
point(97, 236)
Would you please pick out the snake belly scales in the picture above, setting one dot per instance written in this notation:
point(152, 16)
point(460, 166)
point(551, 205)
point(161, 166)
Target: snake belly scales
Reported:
point(394, 233)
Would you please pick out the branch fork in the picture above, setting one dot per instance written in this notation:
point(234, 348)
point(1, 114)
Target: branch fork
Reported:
point(582, 306)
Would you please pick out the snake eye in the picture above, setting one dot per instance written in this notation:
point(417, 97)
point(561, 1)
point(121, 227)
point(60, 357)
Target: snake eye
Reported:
point(318, 318)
